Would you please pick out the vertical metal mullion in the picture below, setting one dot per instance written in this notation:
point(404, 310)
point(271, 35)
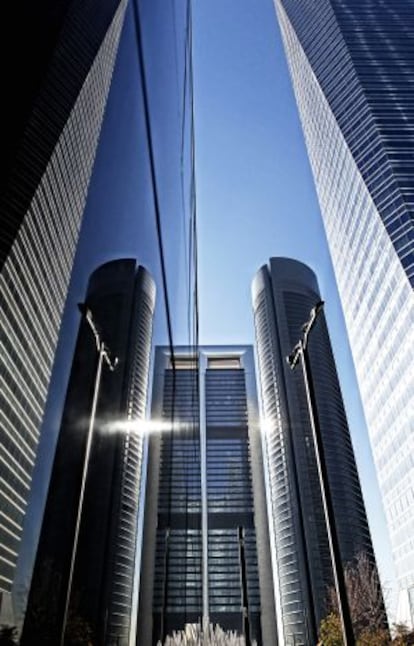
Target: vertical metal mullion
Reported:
point(204, 500)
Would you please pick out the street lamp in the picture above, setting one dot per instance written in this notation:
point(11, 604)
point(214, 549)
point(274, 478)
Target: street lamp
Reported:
point(103, 356)
point(300, 354)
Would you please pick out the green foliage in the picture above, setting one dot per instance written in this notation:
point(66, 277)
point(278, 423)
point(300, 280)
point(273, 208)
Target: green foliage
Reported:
point(331, 634)
point(367, 610)
point(330, 631)
point(376, 637)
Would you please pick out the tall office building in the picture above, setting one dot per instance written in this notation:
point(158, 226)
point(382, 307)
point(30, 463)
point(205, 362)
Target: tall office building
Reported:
point(352, 67)
point(63, 58)
point(80, 77)
point(121, 298)
point(283, 295)
point(206, 543)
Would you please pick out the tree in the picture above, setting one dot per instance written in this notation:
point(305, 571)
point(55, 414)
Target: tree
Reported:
point(366, 603)
point(330, 631)
point(366, 606)
point(378, 637)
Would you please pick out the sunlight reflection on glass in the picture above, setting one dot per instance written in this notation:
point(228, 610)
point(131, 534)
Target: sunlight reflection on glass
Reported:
point(267, 425)
point(145, 426)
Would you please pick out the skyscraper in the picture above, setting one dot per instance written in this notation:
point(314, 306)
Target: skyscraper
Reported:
point(50, 132)
point(352, 69)
point(283, 295)
point(206, 543)
point(121, 298)
point(97, 163)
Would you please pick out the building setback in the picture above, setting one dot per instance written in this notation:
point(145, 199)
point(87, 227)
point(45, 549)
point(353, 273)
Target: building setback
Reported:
point(283, 295)
point(121, 297)
point(63, 60)
point(206, 543)
point(352, 67)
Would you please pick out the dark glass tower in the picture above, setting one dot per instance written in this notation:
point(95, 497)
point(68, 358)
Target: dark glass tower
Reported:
point(89, 95)
point(206, 543)
point(352, 67)
point(283, 295)
point(121, 297)
point(63, 55)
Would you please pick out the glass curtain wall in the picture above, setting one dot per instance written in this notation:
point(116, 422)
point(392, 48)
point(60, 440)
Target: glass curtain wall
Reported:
point(205, 514)
point(50, 132)
point(232, 556)
point(352, 67)
point(140, 204)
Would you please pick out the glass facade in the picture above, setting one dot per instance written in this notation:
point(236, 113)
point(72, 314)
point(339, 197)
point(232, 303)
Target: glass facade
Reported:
point(42, 207)
point(352, 69)
point(117, 181)
point(283, 296)
point(121, 298)
point(178, 564)
point(205, 510)
point(233, 580)
point(171, 575)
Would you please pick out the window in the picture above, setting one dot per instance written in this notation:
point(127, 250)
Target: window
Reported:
point(223, 363)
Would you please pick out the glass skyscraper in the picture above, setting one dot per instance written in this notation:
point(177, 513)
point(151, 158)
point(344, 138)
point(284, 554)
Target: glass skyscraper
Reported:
point(206, 543)
point(283, 295)
point(50, 141)
point(352, 66)
point(97, 164)
point(121, 298)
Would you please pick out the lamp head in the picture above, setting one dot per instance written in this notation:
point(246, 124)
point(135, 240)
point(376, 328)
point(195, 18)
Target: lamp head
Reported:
point(82, 308)
point(318, 307)
point(293, 357)
point(85, 311)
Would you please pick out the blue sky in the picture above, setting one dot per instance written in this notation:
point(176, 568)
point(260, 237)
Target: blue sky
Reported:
point(256, 198)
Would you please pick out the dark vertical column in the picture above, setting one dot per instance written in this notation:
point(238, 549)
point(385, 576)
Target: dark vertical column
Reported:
point(122, 301)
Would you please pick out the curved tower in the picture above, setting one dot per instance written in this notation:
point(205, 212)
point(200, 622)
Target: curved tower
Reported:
point(121, 298)
point(283, 295)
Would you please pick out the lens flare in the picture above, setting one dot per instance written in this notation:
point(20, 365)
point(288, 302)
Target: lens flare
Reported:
point(143, 426)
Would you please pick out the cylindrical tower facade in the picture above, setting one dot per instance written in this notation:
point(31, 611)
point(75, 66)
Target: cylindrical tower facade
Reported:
point(283, 295)
point(121, 300)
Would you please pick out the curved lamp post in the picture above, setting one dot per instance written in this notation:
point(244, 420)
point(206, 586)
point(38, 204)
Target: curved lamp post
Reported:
point(300, 354)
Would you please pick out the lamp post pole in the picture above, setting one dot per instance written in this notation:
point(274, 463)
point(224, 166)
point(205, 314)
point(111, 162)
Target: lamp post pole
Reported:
point(103, 355)
point(300, 354)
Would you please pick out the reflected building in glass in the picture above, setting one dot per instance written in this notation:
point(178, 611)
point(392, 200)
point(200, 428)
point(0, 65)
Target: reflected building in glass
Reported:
point(102, 87)
point(121, 299)
point(352, 68)
point(206, 544)
point(284, 292)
